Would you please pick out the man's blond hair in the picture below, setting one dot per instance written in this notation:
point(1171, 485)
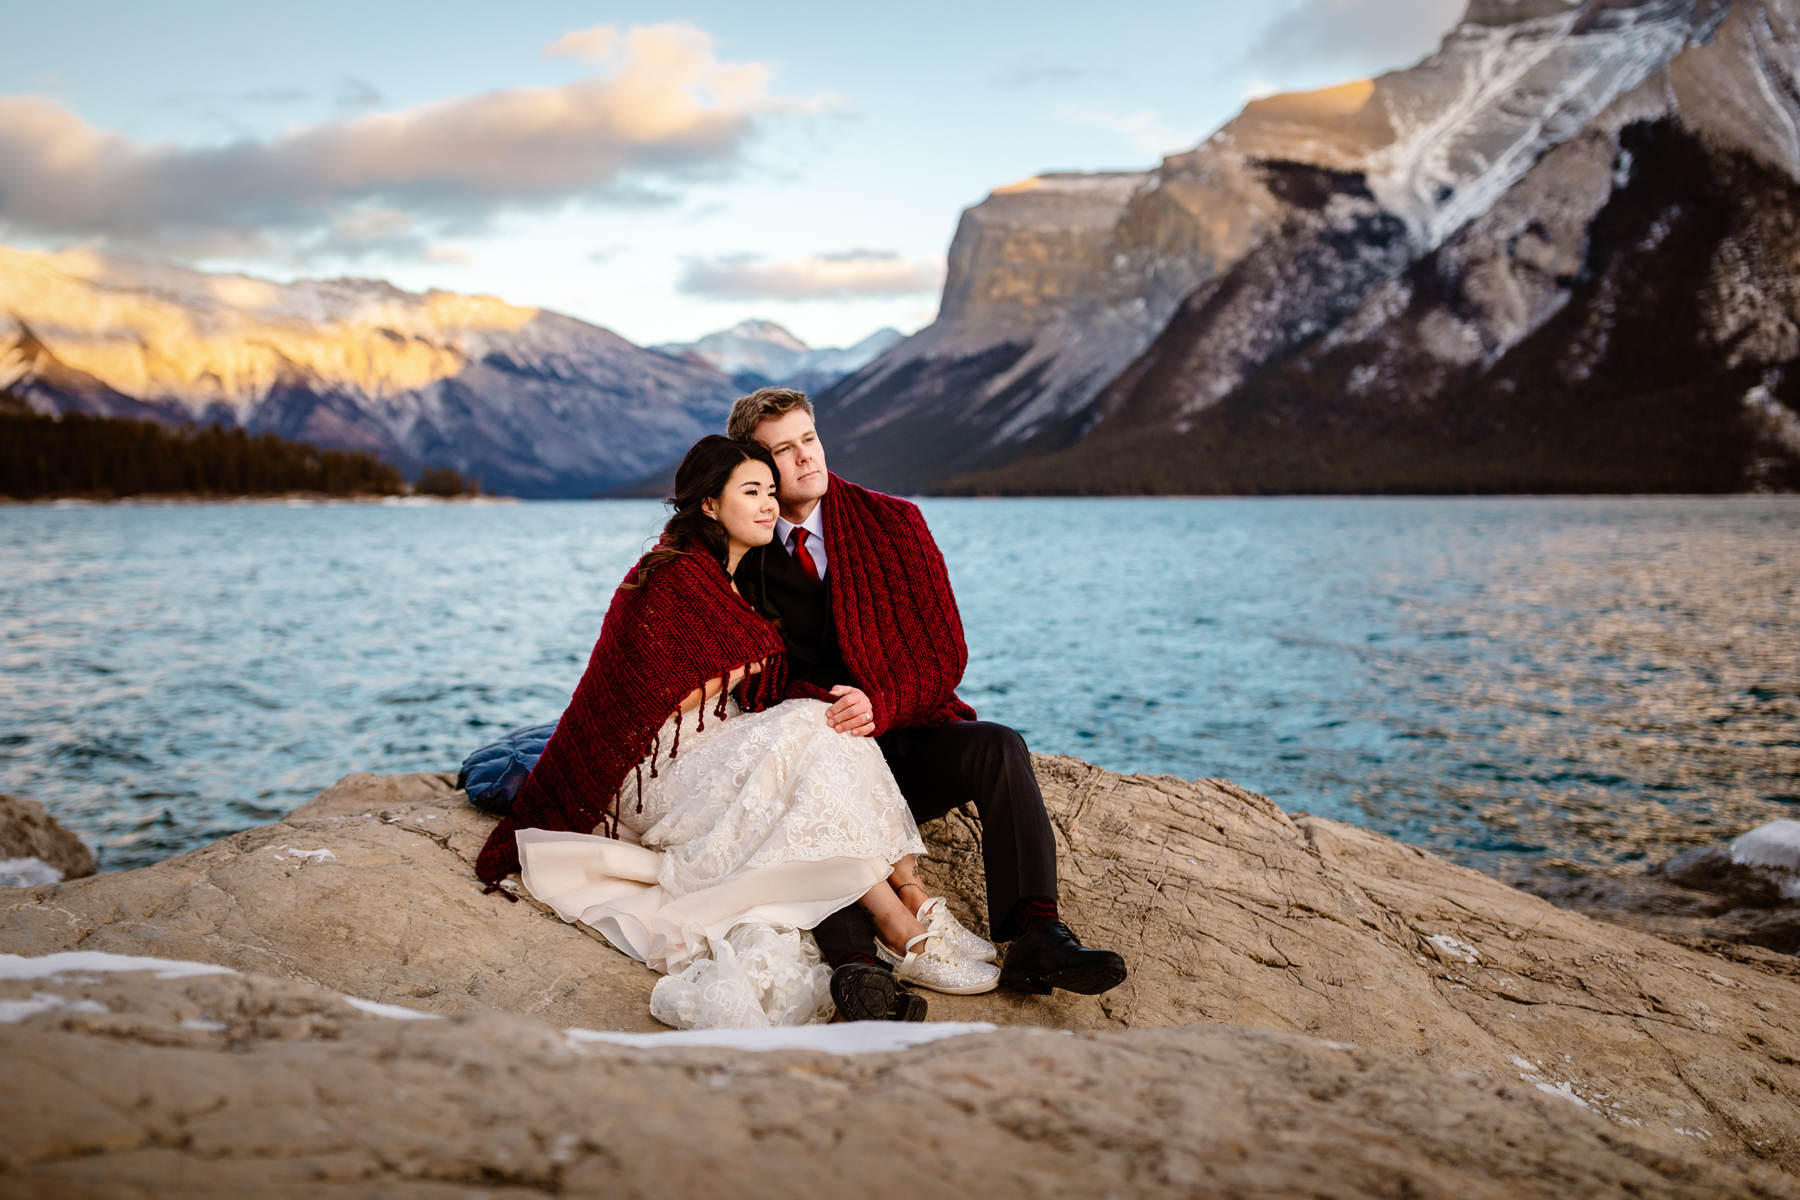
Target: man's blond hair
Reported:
point(762, 405)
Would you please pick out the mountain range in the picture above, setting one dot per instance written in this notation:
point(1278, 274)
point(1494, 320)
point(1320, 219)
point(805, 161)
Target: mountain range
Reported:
point(1556, 255)
point(529, 402)
point(758, 353)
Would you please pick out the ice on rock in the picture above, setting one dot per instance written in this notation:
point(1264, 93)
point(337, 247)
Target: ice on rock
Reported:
point(1776, 846)
point(394, 1012)
point(849, 1037)
point(14, 1011)
point(19, 966)
point(27, 872)
point(1455, 947)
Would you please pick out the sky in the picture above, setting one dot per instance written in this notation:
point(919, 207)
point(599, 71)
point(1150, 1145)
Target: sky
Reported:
point(662, 170)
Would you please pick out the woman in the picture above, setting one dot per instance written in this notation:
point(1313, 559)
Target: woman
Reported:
point(716, 854)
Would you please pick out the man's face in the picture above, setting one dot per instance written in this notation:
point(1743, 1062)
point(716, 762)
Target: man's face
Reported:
point(799, 454)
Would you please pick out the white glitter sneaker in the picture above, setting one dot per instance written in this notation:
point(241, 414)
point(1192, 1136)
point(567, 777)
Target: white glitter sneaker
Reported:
point(936, 916)
point(928, 963)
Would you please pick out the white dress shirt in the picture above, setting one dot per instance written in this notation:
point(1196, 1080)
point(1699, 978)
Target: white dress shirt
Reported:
point(815, 536)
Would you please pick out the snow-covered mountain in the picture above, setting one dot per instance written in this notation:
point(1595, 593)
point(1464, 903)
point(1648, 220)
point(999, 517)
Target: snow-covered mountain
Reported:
point(1457, 269)
point(757, 353)
point(527, 401)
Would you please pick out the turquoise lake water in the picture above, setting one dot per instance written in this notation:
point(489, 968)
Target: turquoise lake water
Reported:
point(1583, 684)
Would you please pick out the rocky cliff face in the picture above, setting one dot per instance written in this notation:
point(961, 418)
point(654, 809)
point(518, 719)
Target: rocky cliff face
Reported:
point(529, 402)
point(1453, 213)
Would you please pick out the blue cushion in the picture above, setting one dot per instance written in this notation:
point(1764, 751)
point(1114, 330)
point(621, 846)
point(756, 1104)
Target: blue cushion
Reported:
point(493, 774)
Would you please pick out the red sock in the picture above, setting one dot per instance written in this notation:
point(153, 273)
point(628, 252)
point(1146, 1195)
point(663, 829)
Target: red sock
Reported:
point(1033, 910)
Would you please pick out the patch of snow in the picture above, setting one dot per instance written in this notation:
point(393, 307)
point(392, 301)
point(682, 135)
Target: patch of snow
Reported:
point(14, 1011)
point(1454, 946)
point(44, 966)
point(1694, 1133)
point(195, 1023)
point(1476, 116)
point(393, 1012)
point(317, 856)
point(1531, 1073)
point(29, 871)
point(1775, 845)
point(848, 1037)
point(1564, 1090)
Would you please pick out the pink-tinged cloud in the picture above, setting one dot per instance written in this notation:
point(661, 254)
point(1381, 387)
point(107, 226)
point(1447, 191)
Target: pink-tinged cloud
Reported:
point(851, 274)
point(658, 108)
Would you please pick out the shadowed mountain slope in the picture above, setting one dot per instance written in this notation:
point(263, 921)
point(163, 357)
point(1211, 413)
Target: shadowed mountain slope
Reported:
point(1440, 279)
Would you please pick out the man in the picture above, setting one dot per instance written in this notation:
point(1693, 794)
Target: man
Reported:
point(859, 590)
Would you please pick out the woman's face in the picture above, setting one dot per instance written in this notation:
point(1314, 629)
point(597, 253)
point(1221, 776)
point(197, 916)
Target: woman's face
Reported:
point(747, 507)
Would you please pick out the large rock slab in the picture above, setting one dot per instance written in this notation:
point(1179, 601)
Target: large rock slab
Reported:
point(221, 1085)
point(1228, 912)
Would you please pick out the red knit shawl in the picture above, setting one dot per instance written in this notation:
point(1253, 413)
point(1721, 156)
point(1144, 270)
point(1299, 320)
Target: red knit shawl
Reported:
point(683, 626)
point(897, 624)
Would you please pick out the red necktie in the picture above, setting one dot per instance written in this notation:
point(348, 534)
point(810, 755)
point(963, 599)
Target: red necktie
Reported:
point(806, 560)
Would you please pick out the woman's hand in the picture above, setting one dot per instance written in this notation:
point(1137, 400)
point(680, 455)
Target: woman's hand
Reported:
point(851, 713)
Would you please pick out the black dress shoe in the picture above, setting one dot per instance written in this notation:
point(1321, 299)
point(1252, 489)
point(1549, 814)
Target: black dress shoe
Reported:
point(864, 992)
point(1049, 956)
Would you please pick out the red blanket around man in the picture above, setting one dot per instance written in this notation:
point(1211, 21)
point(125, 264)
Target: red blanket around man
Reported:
point(897, 623)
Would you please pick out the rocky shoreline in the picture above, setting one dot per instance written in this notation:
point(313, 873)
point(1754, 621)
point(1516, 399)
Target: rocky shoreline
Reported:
point(1312, 1009)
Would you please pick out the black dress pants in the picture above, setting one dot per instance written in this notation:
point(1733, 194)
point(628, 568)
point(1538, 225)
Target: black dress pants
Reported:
point(939, 768)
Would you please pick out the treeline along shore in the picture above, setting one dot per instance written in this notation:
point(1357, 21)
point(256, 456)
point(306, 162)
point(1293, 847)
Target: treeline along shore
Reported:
point(43, 458)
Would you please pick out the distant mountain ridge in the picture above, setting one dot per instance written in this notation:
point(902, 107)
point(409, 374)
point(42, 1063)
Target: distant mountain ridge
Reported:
point(760, 353)
point(529, 402)
point(1451, 277)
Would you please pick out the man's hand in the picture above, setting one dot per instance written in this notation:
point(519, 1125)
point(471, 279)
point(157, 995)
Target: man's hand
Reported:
point(852, 713)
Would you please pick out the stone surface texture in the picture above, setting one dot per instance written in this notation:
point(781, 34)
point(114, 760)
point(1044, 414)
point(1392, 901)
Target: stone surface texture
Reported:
point(1462, 1007)
point(28, 831)
point(240, 1085)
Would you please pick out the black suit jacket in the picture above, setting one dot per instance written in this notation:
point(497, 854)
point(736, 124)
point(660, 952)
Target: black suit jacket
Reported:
point(781, 589)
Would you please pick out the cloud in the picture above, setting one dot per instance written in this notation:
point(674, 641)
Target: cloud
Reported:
point(354, 93)
point(367, 231)
point(1143, 128)
point(285, 95)
point(1024, 75)
point(1356, 37)
point(655, 108)
point(213, 102)
point(848, 274)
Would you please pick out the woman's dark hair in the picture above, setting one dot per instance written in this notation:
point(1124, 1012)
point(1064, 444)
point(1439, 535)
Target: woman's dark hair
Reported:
point(702, 476)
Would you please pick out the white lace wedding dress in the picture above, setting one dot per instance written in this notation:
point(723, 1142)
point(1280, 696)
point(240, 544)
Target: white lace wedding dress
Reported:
point(761, 826)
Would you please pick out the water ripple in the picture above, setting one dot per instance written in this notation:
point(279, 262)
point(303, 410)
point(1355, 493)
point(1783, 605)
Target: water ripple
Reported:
point(1581, 683)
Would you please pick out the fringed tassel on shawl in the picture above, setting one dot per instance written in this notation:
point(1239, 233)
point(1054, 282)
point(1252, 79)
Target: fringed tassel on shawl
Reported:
point(643, 660)
point(724, 695)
